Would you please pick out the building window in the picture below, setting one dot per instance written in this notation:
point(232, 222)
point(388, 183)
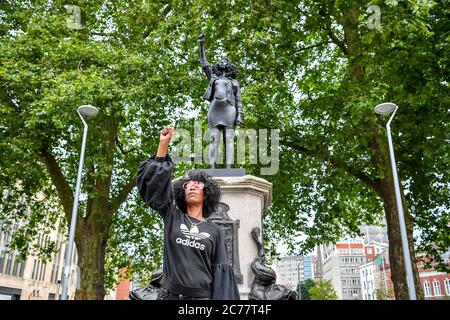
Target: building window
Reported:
point(1, 260)
point(8, 264)
point(42, 272)
point(447, 286)
point(369, 250)
point(53, 273)
point(34, 270)
point(57, 274)
point(437, 288)
point(22, 267)
point(15, 267)
point(427, 289)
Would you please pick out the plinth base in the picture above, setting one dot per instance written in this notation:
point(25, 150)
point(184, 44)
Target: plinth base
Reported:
point(225, 172)
point(247, 198)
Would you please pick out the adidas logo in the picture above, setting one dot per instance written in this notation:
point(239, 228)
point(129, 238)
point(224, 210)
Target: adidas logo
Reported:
point(193, 233)
point(191, 236)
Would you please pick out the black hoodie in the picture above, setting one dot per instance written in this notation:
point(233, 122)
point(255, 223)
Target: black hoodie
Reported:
point(195, 259)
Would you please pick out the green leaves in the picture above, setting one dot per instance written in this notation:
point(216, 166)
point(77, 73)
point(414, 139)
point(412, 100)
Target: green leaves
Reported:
point(323, 290)
point(311, 69)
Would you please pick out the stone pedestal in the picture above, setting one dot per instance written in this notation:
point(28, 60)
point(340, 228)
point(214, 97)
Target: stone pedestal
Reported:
point(247, 197)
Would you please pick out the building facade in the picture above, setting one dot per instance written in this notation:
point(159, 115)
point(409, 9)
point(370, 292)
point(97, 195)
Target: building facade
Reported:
point(367, 280)
point(435, 284)
point(291, 270)
point(34, 279)
point(340, 265)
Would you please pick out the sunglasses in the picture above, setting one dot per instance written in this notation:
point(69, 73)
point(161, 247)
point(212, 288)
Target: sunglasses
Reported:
point(196, 184)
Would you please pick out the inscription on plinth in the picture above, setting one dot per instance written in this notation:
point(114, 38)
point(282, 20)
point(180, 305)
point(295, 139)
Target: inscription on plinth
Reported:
point(230, 229)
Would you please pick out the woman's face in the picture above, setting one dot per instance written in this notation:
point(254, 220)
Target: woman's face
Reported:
point(193, 192)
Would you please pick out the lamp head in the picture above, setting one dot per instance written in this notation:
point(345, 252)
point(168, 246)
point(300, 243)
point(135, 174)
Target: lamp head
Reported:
point(385, 108)
point(88, 110)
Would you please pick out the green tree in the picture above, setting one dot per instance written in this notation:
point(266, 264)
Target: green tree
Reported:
point(323, 290)
point(313, 69)
point(121, 60)
point(305, 286)
point(383, 294)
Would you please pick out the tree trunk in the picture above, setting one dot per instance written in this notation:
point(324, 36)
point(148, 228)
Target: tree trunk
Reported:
point(409, 232)
point(347, 14)
point(398, 274)
point(385, 189)
point(93, 229)
point(397, 263)
point(91, 246)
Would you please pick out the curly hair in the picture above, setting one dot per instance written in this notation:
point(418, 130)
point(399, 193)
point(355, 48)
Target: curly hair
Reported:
point(211, 192)
point(230, 71)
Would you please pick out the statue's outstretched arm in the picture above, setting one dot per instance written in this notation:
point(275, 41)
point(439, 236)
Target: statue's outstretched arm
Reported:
point(205, 65)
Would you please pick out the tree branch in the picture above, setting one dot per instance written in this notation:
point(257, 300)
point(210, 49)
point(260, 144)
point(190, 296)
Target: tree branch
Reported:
point(331, 34)
point(65, 193)
point(123, 194)
point(313, 46)
point(162, 17)
point(336, 41)
point(119, 144)
point(374, 184)
point(6, 99)
point(104, 34)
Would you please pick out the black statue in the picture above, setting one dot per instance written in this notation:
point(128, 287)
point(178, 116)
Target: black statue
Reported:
point(263, 286)
point(225, 110)
point(150, 292)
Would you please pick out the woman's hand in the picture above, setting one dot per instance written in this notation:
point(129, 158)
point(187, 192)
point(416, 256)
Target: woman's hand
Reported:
point(164, 140)
point(166, 135)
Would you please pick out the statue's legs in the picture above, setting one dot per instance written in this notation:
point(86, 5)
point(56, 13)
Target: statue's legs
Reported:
point(229, 146)
point(214, 135)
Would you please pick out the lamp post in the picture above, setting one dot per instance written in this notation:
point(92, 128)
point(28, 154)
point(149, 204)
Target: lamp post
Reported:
point(299, 282)
point(387, 108)
point(90, 111)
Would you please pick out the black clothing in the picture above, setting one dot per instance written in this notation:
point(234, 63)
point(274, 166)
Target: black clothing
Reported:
point(163, 294)
point(195, 261)
point(224, 94)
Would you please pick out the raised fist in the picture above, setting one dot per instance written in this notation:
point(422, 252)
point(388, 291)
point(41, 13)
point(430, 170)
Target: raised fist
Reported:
point(166, 135)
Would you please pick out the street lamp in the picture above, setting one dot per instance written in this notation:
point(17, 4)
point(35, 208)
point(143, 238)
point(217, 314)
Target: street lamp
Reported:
point(386, 108)
point(89, 111)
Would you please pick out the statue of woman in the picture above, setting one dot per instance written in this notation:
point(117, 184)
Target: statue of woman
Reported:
point(225, 109)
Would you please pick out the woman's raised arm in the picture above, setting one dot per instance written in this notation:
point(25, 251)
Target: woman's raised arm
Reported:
point(154, 177)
